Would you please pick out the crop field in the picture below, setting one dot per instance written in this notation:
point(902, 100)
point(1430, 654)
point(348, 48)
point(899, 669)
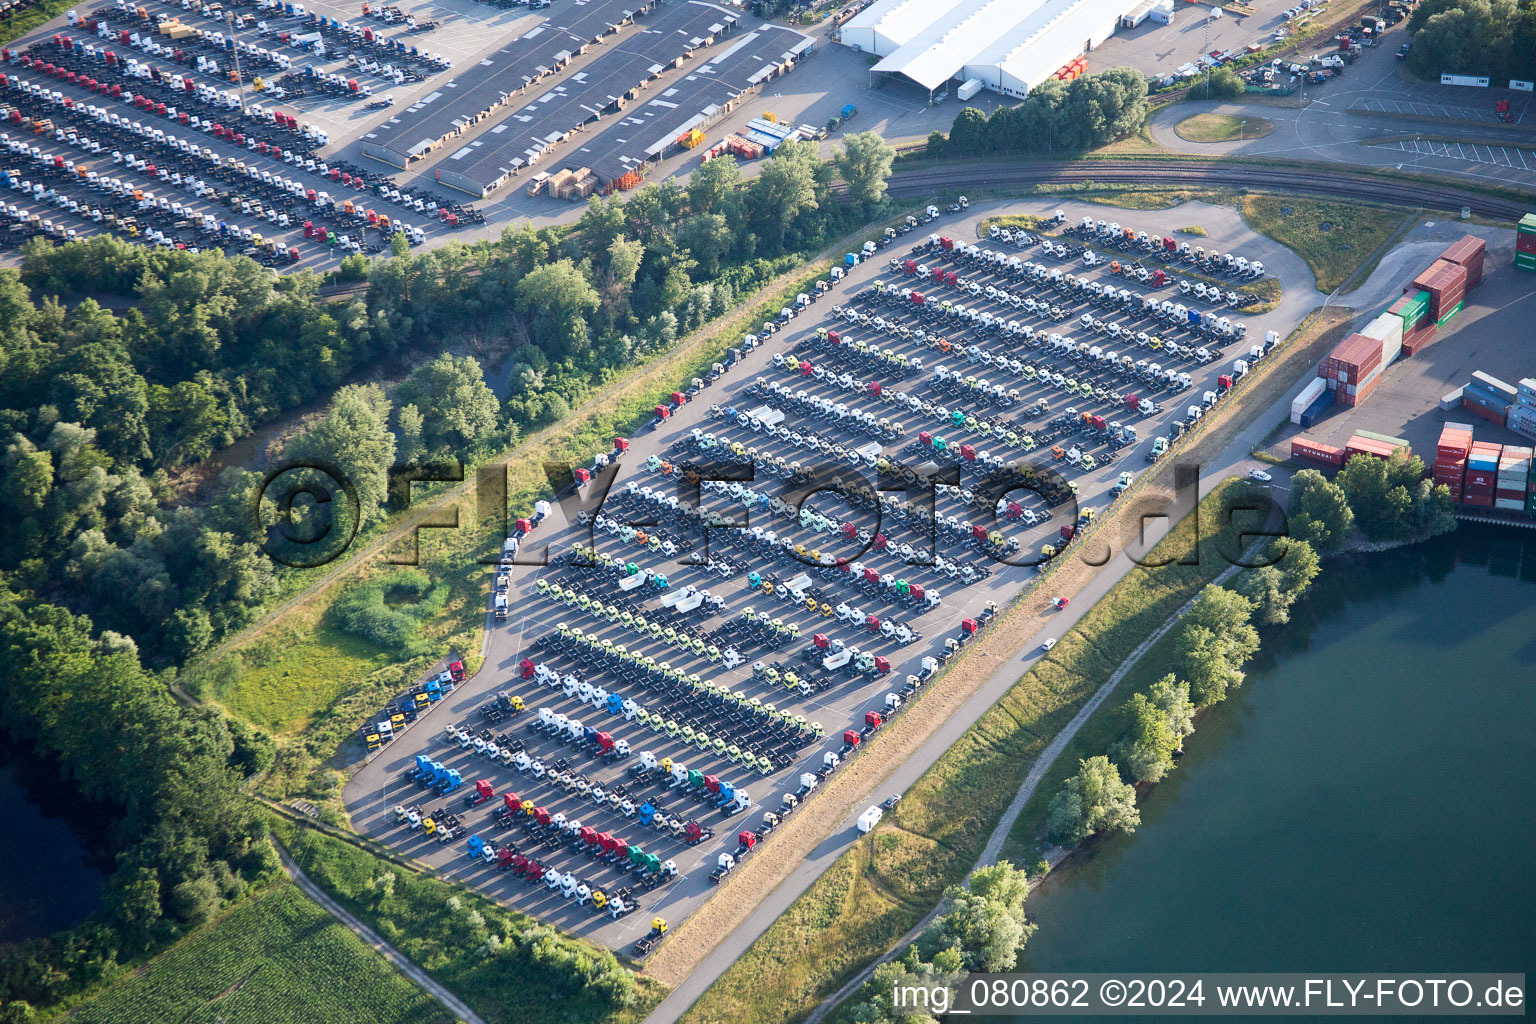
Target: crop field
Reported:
point(277, 959)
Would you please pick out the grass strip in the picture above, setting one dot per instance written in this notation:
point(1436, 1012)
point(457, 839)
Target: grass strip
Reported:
point(884, 885)
point(277, 958)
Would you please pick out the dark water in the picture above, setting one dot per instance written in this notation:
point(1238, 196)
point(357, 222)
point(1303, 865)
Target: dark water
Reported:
point(49, 879)
point(1363, 803)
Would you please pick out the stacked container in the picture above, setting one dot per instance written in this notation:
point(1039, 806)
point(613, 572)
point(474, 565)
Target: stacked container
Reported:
point(1482, 474)
point(1522, 415)
point(1525, 243)
point(1418, 328)
point(1530, 490)
point(1467, 253)
point(1353, 368)
point(1488, 397)
point(1315, 391)
point(1387, 329)
point(1451, 456)
point(1317, 452)
point(1446, 283)
point(1360, 444)
point(1514, 478)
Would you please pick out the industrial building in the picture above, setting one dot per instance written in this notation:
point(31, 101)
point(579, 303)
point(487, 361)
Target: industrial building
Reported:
point(1008, 46)
point(524, 135)
point(476, 92)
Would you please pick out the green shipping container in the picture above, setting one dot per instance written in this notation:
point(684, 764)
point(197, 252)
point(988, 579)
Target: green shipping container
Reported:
point(1447, 318)
point(1527, 225)
point(1416, 310)
point(1525, 261)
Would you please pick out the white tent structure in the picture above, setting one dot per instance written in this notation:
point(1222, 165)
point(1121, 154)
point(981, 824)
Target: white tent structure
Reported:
point(1009, 46)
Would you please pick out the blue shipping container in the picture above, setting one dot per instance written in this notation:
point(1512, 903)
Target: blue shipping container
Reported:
point(1319, 405)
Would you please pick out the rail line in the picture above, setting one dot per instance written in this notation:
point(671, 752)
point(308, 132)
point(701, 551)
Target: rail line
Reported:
point(1335, 184)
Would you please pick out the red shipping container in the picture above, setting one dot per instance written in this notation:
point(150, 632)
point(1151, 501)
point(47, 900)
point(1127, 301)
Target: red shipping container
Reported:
point(1480, 477)
point(1316, 451)
point(1487, 414)
point(1420, 337)
point(1509, 495)
point(1468, 252)
point(1525, 243)
point(1446, 283)
point(1480, 500)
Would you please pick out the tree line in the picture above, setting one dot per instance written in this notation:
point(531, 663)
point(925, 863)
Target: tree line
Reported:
point(1496, 38)
point(1385, 499)
point(101, 408)
point(983, 928)
point(1056, 118)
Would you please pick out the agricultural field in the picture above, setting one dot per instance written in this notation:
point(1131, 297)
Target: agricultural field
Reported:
point(276, 959)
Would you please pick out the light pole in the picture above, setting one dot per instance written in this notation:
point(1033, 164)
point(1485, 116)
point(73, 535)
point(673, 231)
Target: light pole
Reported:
point(1240, 126)
point(229, 16)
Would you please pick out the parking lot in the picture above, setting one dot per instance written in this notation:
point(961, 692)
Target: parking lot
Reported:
point(128, 119)
point(1488, 335)
point(789, 641)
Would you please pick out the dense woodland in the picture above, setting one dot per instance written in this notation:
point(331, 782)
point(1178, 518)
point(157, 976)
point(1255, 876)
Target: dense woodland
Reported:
point(1056, 119)
point(1496, 38)
point(122, 368)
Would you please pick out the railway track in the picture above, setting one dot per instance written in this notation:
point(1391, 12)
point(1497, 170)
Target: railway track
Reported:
point(1332, 183)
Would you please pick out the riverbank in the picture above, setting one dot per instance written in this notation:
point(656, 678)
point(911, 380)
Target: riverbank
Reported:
point(1316, 765)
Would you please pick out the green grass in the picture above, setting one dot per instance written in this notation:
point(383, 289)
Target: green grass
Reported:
point(884, 885)
point(312, 685)
point(530, 972)
point(1355, 232)
point(1222, 128)
point(1192, 229)
point(275, 959)
point(1012, 221)
point(19, 25)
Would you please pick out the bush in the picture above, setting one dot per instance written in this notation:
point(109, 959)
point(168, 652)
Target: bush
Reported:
point(1222, 84)
point(389, 612)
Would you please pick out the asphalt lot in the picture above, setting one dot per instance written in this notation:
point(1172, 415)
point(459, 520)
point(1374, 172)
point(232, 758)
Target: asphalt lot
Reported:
point(379, 786)
point(1375, 116)
point(1485, 336)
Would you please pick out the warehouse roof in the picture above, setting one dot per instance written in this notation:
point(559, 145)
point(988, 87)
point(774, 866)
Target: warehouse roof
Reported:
point(932, 41)
point(698, 98)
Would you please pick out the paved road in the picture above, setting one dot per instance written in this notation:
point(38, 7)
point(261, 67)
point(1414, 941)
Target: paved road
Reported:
point(372, 793)
point(401, 962)
point(1234, 460)
point(1346, 121)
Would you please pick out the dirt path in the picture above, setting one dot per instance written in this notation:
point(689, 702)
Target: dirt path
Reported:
point(401, 963)
point(1048, 757)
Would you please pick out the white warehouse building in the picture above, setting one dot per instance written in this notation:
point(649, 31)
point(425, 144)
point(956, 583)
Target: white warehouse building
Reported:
point(1008, 46)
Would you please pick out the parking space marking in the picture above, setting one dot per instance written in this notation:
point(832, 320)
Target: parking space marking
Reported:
point(1497, 156)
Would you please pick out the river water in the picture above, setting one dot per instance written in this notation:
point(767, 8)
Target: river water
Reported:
point(1362, 803)
point(49, 881)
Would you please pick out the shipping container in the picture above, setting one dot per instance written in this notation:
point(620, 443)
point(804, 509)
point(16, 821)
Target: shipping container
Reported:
point(1467, 252)
point(1525, 261)
point(1418, 339)
point(1387, 329)
point(1494, 385)
point(1413, 307)
point(1318, 452)
point(1309, 394)
point(1522, 420)
point(1312, 413)
point(1526, 395)
point(1356, 354)
point(1448, 314)
point(1477, 500)
point(1446, 284)
point(1479, 479)
point(1509, 504)
point(1398, 442)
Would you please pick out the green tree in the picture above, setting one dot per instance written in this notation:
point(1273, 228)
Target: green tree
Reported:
point(1172, 698)
point(355, 436)
point(1214, 642)
point(557, 299)
point(1220, 84)
point(411, 443)
point(1094, 800)
point(712, 187)
point(865, 164)
point(1146, 749)
point(1274, 588)
point(457, 408)
point(1320, 511)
